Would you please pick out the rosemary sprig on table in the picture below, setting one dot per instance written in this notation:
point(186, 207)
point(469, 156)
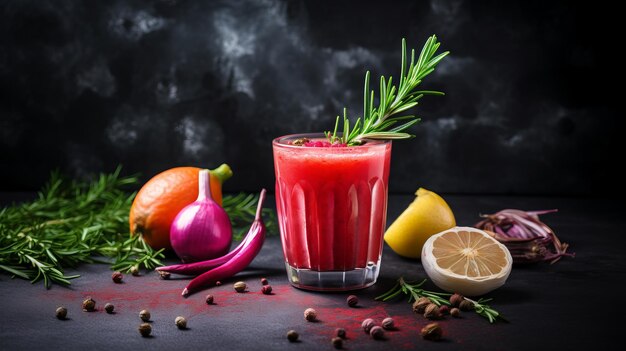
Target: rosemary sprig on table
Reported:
point(415, 291)
point(70, 223)
point(380, 122)
point(241, 209)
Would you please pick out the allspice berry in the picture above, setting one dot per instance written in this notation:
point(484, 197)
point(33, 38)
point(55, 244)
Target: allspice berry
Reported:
point(109, 308)
point(310, 314)
point(144, 315)
point(264, 281)
point(240, 287)
point(432, 312)
point(377, 333)
point(419, 306)
point(61, 313)
point(352, 300)
point(367, 325)
point(134, 270)
point(388, 323)
point(455, 312)
point(266, 289)
point(466, 305)
point(292, 336)
point(432, 332)
point(181, 322)
point(145, 329)
point(209, 299)
point(337, 342)
point(117, 277)
point(340, 332)
point(444, 310)
point(165, 275)
point(456, 299)
point(89, 305)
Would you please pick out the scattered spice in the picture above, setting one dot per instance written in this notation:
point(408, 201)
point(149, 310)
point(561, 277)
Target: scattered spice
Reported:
point(455, 312)
point(61, 313)
point(432, 312)
point(240, 287)
point(89, 305)
point(144, 315)
point(292, 336)
point(419, 306)
point(432, 332)
point(466, 305)
point(218, 283)
point(352, 300)
point(264, 281)
point(209, 299)
point(310, 314)
point(145, 329)
point(340, 332)
point(117, 277)
point(444, 310)
point(109, 308)
point(367, 325)
point(134, 270)
point(164, 275)
point(377, 332)
point(337, 342)
point(181, 322)
point(388, 323)
point(266, 289)
point(456, 299)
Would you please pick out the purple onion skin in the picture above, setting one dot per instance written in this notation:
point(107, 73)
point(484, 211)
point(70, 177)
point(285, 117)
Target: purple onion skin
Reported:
point(201, 230)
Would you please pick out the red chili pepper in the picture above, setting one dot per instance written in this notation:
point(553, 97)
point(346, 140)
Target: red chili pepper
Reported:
point(250, 248)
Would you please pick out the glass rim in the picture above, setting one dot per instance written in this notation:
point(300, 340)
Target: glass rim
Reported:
point(369, 142)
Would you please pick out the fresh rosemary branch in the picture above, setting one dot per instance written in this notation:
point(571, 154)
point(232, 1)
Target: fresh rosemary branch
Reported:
point(380, 122)
point(415, 292)
point(76, 222)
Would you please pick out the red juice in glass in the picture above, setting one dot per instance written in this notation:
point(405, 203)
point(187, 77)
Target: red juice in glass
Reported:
point(332, 205)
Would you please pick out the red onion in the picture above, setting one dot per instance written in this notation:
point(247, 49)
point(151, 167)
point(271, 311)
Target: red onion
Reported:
point(202, 229)
point(527, 238)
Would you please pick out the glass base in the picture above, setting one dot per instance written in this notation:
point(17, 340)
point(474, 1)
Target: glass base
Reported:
point(359, 278)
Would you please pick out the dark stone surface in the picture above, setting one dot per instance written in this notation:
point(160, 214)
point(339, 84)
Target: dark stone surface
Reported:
point(569, 305)
point(85, 86)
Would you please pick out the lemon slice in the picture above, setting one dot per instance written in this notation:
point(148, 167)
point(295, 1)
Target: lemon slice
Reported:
point(466, 260)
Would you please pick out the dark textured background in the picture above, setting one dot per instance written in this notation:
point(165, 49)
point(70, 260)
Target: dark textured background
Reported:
point(87, 85)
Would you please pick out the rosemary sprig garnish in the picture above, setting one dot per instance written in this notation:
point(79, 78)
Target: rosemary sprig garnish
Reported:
point(380, 122)
point(77, 222)
point(415, 291)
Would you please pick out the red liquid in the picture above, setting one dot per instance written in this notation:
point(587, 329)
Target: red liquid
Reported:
point(332, 204)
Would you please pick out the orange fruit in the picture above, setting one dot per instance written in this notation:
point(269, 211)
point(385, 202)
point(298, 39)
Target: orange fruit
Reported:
point(164, 196)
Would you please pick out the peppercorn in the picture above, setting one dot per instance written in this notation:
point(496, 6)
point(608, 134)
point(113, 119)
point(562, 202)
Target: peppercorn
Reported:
point(388, 323)
point(61, 313)
point(337, 342)
point(444, 310)
point(145, 329)
point(455, 312)
point(89, 305)
point(264, 281)
point(134, 270)
point(432, 332)
point(181, 322)
point(340, 332)
point(466, 305)
point(292, 336)
point(109, 308)
point(432, 311)
point(165, 275)
point(144, 315)
point(419, 306)
point(352, 300)
point(117, 277)
point(240, 287)
point(456, 299)
point(266, 289)
point(310, 314)
point(377, 333)
point(209, 299)
point(218, 283)
point(367, 325)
